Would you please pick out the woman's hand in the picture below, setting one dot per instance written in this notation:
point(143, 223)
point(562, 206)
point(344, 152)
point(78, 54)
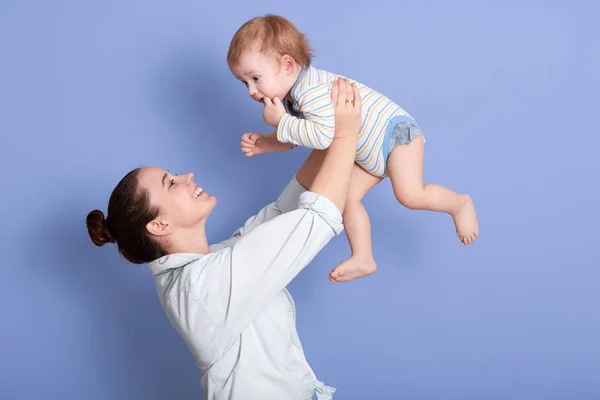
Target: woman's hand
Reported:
point(333, 179)
point(347, 108)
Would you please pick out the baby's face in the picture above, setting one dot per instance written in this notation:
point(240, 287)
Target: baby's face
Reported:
point(263, 76)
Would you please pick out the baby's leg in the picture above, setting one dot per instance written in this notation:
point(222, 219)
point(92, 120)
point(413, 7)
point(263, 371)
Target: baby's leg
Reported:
point(358, 229)
point(405, 169)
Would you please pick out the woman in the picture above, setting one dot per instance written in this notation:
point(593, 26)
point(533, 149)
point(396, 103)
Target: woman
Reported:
point(228, 301)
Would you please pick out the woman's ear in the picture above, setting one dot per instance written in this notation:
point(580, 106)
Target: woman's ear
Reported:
point(159, 227)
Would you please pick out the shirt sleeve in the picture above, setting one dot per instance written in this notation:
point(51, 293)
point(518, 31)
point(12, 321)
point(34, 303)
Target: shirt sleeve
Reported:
point(316, 129)
point(287, 201)
point(264, 261)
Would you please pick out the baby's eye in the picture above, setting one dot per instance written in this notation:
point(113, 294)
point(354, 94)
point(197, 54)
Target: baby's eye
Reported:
point(255, 78)
point(172, 182)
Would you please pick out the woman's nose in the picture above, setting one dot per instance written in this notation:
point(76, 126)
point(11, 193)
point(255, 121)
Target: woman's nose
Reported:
point(189, 177)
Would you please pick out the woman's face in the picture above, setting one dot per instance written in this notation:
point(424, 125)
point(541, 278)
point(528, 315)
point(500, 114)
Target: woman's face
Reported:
point(182, 203)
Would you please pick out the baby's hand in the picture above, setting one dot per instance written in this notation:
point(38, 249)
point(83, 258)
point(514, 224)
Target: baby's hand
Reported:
point(254, 143)
point(273, 111)
point(251, 144)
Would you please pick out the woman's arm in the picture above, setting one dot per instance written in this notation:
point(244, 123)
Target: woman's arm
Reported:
point(263, 262)
point(287, 201)
point(333, 178)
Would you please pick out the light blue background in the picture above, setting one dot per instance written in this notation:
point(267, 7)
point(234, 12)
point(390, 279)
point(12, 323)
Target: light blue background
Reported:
point(507, 94)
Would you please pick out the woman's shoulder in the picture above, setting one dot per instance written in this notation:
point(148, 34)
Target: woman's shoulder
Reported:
point(183, 271)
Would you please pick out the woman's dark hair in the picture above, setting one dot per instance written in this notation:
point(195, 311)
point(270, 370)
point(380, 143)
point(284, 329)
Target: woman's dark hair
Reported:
point(129, 211)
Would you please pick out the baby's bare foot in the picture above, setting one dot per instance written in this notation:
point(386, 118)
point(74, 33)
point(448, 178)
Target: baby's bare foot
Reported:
point(353, 268)
point(465, 220)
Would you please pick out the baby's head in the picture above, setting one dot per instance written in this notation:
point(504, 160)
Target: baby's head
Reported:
point(267, 54)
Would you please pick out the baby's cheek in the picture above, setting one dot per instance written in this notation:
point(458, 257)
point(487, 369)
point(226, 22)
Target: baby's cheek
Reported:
point(267, 89)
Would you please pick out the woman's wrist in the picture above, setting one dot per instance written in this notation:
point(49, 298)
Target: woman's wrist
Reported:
point(345, 136)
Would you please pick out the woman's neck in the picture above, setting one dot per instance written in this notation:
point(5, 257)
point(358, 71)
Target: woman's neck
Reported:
point(193, 240)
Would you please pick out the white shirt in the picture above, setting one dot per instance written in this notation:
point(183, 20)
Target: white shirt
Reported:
point(231, 306)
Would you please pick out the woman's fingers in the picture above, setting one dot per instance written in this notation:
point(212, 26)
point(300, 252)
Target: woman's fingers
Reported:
point(341, 99)
point(349, 93)
point(356, 97)
point(335, 90)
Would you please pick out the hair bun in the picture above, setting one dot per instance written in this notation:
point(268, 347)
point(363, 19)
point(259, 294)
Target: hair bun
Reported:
point(97, 228)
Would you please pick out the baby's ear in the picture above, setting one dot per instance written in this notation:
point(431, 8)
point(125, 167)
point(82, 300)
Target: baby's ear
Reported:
point(288, 63)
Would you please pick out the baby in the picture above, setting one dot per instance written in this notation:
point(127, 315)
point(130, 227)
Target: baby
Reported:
point(273, 59)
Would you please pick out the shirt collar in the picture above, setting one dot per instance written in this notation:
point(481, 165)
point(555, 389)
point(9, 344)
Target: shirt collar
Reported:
point(296, 88)
point(171, 261)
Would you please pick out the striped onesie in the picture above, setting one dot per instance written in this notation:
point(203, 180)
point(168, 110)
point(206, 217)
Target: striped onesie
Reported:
point(310, 120)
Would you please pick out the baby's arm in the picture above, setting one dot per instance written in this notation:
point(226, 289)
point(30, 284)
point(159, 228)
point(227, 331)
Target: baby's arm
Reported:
point(255, 143)
point(272, 145)
point(315, 130)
